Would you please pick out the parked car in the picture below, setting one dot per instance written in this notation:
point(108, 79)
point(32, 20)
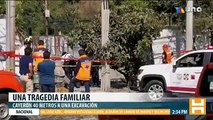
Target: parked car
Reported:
point(204, 89)
point(179, 77)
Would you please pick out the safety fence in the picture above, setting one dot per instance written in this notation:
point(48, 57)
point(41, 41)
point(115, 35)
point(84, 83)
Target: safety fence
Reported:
point(12, 54)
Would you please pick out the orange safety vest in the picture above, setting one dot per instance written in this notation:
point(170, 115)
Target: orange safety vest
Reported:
point(168, 56)
point(84, 72)
point(39, 53)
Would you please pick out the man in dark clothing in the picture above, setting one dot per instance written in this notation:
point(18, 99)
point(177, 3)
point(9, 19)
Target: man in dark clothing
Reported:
point(95, 74)
point(26, 69)
point(46, 71)
point(68, 70)
point(66, 60)
point(82, 72)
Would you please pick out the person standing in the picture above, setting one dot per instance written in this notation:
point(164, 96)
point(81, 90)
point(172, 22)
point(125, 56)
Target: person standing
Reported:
point(38, 58)
point(27, 43)
point(95, 74)
point(167, 55)
point(82, 72)
point(26, 69)
point(46, 71)
point(38, 53)
point(67, 60)
point(20, 52)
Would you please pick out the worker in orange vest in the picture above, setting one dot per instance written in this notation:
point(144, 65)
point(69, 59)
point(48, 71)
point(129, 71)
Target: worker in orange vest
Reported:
point(82, 72)
point(38, 55)
point(167, 55)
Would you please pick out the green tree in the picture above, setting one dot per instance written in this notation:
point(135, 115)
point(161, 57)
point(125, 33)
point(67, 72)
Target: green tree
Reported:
point(202, 20)
point(30, 17)
point(2, 7)
point(132, 27)
point(63, 14)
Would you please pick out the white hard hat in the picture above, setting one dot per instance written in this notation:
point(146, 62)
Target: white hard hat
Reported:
point(28, 39)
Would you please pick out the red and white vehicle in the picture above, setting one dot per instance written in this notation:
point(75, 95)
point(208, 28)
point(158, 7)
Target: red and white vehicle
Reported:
point(181, 76)
point(9, 82)
point(204, 88)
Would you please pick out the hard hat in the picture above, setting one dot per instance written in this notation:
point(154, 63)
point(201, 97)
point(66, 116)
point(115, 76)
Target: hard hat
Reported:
point(165, 46)
point(28, 39)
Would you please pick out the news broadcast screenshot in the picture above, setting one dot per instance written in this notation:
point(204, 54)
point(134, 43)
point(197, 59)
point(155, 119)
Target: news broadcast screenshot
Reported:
point(106, 59)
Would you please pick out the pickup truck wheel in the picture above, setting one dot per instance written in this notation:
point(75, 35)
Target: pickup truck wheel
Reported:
point(4, 111)
point(154, 89)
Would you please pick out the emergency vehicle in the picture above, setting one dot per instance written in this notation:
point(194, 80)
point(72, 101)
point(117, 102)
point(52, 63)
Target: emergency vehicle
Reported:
point(181, 76)
point(9, 82)
point(204, 89)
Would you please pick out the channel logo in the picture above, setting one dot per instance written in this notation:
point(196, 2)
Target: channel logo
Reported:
point(179, 10)
point(197, 106)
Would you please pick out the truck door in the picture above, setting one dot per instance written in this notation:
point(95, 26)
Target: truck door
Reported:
point(187, 72)
point(205, 89)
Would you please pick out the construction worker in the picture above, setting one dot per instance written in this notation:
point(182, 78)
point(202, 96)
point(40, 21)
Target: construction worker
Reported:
point(38, 58)
point(21, 52)
point(95, 69)
point(38, 53)
point(27, 43)
point(167, 55)
point(82, 71)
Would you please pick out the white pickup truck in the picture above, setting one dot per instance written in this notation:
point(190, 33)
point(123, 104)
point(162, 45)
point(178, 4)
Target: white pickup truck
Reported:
point(179, 77)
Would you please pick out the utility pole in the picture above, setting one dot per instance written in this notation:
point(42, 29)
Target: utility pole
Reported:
point(47, 15)
point(189, 26)
point(10, 32)
point(105, 71)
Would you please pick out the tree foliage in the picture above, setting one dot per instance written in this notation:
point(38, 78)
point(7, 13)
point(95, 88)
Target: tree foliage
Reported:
point(202, 20)
point(2, 7)
point(132, 27)
point(63, 14)
point(30, 17)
